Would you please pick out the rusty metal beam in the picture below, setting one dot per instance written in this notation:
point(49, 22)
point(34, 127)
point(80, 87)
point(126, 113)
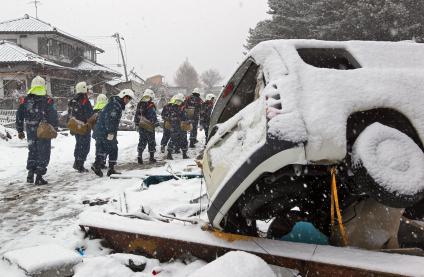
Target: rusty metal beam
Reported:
point(165, 249)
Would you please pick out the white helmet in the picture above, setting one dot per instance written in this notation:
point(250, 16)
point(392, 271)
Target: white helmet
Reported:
point(210, 96)
point(126, 92)
point(38, 82)
point(196, 91)
point(81, 87)
point(179, 97)
point(149, 93)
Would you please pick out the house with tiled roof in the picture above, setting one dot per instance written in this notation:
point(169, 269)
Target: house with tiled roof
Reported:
point(30, 47)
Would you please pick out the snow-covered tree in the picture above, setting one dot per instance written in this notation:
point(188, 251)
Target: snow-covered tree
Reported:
point(186, 76)
point(388, 20)
point(210, 78)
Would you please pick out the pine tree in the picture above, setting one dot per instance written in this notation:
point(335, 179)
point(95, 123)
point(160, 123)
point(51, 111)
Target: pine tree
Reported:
point(386, 20)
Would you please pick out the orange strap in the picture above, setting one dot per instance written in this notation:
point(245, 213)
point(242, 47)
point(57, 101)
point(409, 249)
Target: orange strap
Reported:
point(335, 207)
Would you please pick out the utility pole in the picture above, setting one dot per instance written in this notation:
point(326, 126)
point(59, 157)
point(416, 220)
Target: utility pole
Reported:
point(118, 40)
point(35, 2)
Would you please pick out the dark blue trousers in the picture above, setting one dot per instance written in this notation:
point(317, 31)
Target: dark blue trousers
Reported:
point(166, 137)
point(193, 133)
point(105, 148)
point(146, 138)
point(38, 152)
point(178, 140)
point(82, 147)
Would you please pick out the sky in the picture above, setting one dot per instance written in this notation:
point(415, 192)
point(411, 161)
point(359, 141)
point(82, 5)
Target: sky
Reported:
point(159, 34)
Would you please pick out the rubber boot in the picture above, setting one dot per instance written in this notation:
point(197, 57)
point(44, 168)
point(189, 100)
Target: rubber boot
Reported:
point(185, 155)
point(162, 148)
point(112, 171)
point(152, 157)
point(75, 166)
point(140, 160)
point(97, 169)
point(80, 167)
point(30, 177)
point(169, 156)
point(40, 181)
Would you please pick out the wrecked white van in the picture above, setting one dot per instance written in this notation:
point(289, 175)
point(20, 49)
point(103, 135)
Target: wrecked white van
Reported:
point(295, 109)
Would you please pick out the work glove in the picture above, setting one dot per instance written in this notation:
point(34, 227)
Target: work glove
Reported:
point(21, 135)
point(110, 136)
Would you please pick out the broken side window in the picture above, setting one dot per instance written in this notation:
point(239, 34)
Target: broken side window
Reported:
point(334, 58)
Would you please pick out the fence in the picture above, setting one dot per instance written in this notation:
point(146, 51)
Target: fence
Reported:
point(8, 118)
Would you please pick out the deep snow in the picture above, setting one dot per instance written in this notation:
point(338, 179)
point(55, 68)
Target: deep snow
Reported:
point(47, 215)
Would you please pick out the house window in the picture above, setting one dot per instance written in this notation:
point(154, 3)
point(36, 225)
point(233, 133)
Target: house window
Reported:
point(62, 87)
point(42, 46)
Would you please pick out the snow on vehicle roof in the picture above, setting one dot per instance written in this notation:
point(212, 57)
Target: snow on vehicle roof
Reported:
point(370, 54)
point(304, 100)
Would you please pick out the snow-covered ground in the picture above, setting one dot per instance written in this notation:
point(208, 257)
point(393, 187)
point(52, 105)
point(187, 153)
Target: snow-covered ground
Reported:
point(48, 215)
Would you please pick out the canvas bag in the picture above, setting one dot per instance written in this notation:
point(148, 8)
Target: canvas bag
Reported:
point(146, 124)
point(186, 126)
point(92, 120)
point(78, 127)
point(45, 130)
point(190, 112)
point(167, 125)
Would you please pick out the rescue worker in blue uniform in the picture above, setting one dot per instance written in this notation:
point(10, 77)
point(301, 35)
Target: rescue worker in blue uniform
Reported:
point(166, 128)
point(101, 102)
point(36, 107)
point(193, 105)
point(106, 130)
point(81, 109)
point(205, 114)
point(178, 136)
point(146, 120)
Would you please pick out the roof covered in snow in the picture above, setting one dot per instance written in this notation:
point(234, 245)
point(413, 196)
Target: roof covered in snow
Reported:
point(12, 53)
point(88, 65)
point(29, 24)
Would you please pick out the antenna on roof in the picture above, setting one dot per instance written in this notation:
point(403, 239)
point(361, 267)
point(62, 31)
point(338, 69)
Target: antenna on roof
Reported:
point(35, 2)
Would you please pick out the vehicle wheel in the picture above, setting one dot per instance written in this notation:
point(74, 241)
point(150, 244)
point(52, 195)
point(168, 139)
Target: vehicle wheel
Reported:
point(235, 223)
point(388, 166)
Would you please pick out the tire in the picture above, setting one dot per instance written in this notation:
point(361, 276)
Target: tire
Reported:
point(388, 166)
point(235, 223)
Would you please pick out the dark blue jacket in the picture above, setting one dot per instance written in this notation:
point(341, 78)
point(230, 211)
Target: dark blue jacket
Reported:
point(109, 118)
point(175, 115)
point(205, 113)
point(80, 107)
point(195, 102)
point(146, 109)
point(33, 109)
point(166, 111)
